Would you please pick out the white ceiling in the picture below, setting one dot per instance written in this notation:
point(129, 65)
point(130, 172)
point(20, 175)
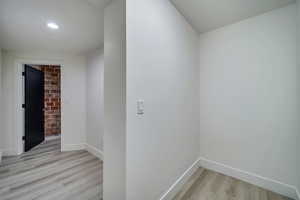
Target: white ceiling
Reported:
point(23, 25)
point(206, 15)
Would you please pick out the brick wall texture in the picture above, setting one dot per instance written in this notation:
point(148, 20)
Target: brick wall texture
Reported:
point(52, 114)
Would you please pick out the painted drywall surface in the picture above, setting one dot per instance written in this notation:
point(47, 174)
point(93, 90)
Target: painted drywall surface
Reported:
point(249, 95)
point(95, 99)
point(9, 145)
point(162, 70)
point(298, 50)
point(114, 186)
point(1, 131)
point(73, 96)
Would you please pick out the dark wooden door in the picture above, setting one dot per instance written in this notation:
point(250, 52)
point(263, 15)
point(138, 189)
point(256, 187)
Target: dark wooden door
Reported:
point(34, 107)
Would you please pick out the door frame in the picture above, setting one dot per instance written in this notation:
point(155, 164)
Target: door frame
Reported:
point(19, 115)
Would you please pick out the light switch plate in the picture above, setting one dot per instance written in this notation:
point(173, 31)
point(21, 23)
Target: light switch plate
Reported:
point(140, 107)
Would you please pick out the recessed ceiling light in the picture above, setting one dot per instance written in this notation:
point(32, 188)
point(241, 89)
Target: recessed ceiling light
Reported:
point(53, 25)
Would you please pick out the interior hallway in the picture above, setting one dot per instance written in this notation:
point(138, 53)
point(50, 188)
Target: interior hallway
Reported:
point(46, 173)
point(209, 185)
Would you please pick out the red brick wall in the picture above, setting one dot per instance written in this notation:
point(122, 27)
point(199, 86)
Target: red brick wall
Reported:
point(52, 115)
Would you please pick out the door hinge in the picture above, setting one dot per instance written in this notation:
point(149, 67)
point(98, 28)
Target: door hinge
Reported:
point(23, 73)
point(23, 138)
point(23, 105)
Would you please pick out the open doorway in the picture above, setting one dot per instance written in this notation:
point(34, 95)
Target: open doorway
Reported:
point(73, 40)
point(42, 104)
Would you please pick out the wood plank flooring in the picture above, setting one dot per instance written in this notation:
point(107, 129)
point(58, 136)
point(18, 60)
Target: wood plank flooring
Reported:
point(209, 185)
point(46, 173)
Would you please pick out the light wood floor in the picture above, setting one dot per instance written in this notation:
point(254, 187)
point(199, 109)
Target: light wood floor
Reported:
point(45, 173)
point(209, 185)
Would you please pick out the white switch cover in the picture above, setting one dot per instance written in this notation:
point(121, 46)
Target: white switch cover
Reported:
point(140, 107)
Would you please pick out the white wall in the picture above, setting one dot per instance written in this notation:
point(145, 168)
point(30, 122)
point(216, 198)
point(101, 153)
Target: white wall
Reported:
point(1, 101)
point(9, 144)
point(73, 97)
point(249, 96)
point(95, 99)
point(298, 50)
point(162, 70)
point(114, 101)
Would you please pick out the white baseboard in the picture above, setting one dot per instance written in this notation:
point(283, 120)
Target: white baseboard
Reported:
point(73, 147)
point(83, 146)
point(9, 152)
point(96, 152)
point(179, 183)
point(266, 183)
